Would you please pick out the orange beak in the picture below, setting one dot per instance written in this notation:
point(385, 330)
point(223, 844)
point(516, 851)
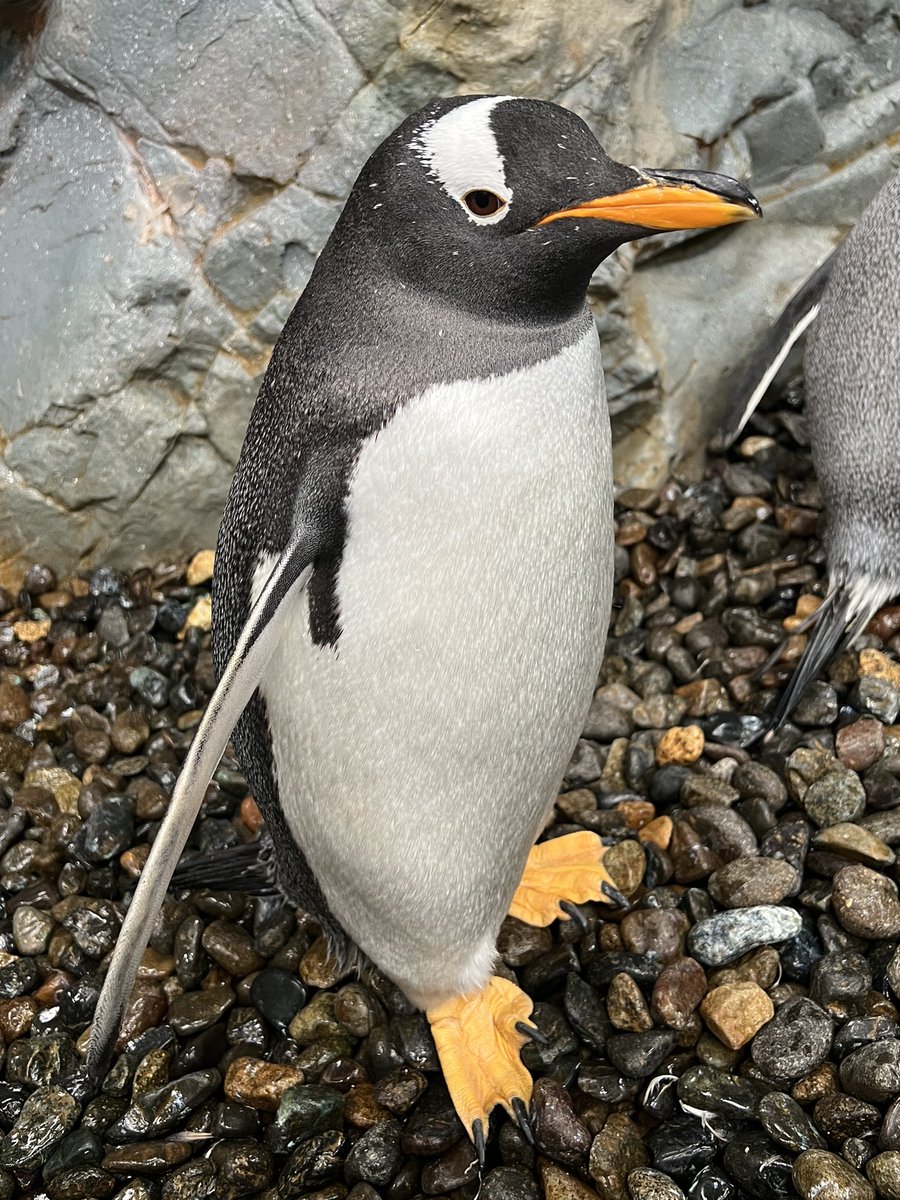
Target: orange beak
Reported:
point(671, 200)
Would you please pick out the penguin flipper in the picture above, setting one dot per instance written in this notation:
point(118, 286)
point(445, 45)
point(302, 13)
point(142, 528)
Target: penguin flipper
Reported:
point(753, 382)
point(238, 682)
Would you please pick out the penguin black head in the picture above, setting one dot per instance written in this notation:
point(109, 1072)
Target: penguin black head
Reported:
point(506, 206)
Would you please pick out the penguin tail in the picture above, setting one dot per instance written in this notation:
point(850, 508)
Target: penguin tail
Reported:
point(753, 382)
point(836, 624)
point(248, 868)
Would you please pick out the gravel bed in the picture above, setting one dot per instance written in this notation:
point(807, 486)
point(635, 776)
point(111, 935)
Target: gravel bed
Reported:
point(732, 1034)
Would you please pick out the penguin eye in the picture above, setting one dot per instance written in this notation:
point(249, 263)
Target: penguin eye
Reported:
point(482, 203)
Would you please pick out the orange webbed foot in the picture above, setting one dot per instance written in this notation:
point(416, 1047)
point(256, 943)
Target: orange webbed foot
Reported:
point(478, 1039)
point(561, 872)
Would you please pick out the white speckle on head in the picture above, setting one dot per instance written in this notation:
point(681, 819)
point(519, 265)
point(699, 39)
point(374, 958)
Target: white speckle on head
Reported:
point(461, 151)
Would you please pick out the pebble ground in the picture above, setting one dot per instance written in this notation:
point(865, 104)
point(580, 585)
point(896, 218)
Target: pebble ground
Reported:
point(730, 1035)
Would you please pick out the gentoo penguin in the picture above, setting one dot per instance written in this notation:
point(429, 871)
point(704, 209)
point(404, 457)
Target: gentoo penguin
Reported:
point(414, 569)
point(852, 367)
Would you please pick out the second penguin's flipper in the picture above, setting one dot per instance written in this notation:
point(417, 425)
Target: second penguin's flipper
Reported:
point(478, 1043)
point(237, 685)
point(754, 381)
point(566, 869)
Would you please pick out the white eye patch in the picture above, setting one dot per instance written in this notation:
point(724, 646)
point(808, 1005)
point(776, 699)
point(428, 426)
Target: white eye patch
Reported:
point(460, 150)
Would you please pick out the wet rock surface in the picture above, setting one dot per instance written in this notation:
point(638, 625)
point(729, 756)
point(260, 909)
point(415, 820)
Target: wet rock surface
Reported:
point(730, 1032)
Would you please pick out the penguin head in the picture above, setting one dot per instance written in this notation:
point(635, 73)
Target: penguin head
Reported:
point(507, 206)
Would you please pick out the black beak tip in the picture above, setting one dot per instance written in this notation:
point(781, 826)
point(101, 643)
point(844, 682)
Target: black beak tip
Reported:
point(710, 181)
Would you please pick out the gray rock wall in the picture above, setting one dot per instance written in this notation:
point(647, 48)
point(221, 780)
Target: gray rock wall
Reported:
point(170, 170)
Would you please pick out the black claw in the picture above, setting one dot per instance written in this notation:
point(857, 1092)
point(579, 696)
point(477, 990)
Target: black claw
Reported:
point(614, 894)
point(518, 1107)
point(577, 916)
point(532, 1031)
point(478, 1139)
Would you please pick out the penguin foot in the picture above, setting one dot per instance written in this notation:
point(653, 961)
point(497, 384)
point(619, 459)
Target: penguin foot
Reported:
point(559, 873)
point(478, 1040)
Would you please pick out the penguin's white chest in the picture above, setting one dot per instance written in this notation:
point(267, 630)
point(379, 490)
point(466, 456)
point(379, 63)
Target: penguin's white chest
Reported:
point(417, 758)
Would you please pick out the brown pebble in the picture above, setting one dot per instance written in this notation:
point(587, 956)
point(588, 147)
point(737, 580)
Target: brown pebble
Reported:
point(362, 1109)
point(318, 969)
point(885, 623)
point(53, 988)
point(260, 1084)
point(129, 731)
point(146, 1158)
point(861, 744)
point(636, 813)
point(855, 844)
point(747, 881)
point(155, 965)
point(630, 530)
point(644, 564)
point(145, 1010)
point(232, 948)
point(866, 903)
point(761, 966)
point(678, 990)
point(659, 932)
point(705, 697)
point(802, 522)
point(617, 1150)
point(681, 745)
point(818, 1083)
point(691, 857)
point(625, 862)
point(14, 706)
point(626, 1005)
point(65, 787)
point(821, 1175)
point(560, 1185)
point(884, 1173)
point(609, 937)
point(735, 1012)
point(16, 1016)
point(150, 801)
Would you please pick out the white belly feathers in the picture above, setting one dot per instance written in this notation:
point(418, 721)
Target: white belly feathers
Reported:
point(416, 760)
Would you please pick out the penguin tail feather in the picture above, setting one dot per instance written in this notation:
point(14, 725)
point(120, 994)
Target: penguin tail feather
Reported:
point(836, 624)
point(248, 868)
point(753, 382)
point(829, 628)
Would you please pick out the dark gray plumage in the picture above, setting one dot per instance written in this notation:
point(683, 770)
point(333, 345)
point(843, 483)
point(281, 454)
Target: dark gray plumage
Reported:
point(853, 413)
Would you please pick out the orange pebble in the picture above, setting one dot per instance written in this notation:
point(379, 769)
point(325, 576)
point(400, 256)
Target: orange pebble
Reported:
point(250, 814)
point(683, 744)
point(658, 831)
point(806, 606)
